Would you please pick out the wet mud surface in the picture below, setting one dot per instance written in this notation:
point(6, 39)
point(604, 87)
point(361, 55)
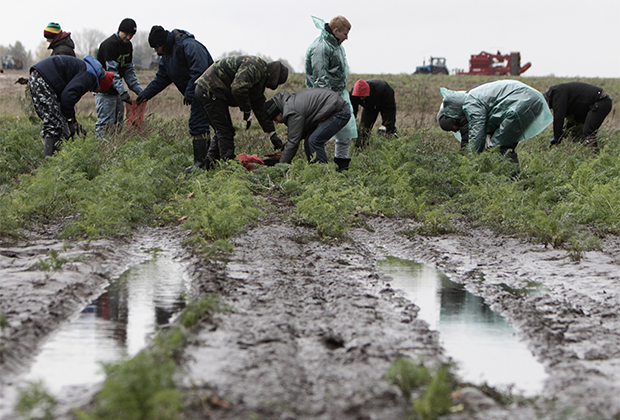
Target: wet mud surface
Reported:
point(315, 325)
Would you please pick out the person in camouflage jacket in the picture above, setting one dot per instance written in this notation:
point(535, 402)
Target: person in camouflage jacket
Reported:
point(237, 81)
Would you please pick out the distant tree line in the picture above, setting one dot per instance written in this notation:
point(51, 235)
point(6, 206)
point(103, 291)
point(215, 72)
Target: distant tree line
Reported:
point(87, 42)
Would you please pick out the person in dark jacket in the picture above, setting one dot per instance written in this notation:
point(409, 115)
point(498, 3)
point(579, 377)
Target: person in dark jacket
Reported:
point(116, 55)
point(580, 104)
point(60, 41)
point(375, 96)
point(183, 60)
point(312, 114)
point(238, 81)
point(57, 83)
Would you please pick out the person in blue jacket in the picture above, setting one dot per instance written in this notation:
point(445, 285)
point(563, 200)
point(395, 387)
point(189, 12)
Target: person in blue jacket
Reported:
point(501, 113)
point(183, 60)
point(56, 84)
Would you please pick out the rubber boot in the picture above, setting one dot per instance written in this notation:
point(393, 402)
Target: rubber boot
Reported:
point(343, 164)
point(200, 153)
point(50, 146)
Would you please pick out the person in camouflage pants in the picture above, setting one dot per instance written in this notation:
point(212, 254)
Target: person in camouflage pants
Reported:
point(237, 81)
point(56, 84)
point(47, 106)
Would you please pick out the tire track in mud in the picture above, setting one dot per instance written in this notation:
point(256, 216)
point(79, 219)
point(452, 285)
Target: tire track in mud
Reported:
point(570, 322)
point(313, 331)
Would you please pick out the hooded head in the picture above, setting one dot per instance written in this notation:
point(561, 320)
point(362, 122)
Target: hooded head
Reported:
point(271, 109)
point(277, 74)
point(361, 88)
point(106, 81)
point(453, 103)
point(157, 36)
point(446, 123)
point(51, 30)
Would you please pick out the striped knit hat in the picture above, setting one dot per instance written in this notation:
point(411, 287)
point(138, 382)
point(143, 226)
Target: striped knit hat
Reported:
point(51, 30)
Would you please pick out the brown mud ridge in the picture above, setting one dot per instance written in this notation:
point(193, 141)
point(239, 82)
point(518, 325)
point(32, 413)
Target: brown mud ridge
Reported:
point(315, 326)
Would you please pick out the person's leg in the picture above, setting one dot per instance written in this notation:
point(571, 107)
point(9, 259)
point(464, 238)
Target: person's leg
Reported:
point(223, 144)
point(47, 107)
point(597, 114)
point(325, 131)
point(106, 108)
point(388, 119)
point(120, 112)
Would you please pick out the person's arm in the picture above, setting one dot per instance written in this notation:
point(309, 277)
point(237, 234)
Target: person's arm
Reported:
point(559, 102)
point(477, 123)
point(159, 83)
point(117, 82)
point(295, 123)
point(131, 78)
point(198, 60)
point(73, 92)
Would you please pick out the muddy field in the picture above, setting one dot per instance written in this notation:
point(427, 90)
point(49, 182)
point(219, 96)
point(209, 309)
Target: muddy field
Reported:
point(315, 325)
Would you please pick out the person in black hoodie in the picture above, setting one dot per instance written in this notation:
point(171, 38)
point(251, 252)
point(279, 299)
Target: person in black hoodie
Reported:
point(60, 41)
point(57, 83)
point(579, 104)
point(375, 96)
point(116, 55)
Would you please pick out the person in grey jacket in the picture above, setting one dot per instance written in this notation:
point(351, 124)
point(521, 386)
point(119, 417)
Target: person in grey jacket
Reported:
point(312, 114)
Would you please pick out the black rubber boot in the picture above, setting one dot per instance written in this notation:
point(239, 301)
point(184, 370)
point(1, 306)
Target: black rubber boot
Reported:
point(50, 146)
point(200, 153)
point(343, 164)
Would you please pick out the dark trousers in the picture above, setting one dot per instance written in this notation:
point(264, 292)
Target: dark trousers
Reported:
point(325, 130)
point(223, 141)
point(369, 117)
point(595, 116)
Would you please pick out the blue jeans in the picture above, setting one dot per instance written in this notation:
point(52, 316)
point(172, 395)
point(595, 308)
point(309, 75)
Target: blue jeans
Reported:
point(315, 143)
point(110, 112)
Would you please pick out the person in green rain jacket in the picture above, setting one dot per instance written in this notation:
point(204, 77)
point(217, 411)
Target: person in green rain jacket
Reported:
point(502, 113)
point(326, 67)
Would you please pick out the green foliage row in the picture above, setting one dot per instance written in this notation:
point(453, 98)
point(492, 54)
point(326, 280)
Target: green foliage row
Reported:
point(566, 196)
point(430, 389)
point(143, 388)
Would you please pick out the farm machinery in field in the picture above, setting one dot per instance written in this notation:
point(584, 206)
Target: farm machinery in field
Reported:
point(437, 65)
point(496, 64)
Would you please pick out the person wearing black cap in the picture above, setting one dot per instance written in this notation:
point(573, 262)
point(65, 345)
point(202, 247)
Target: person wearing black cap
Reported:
point(238, 81)
point(183, 60)
point(116, 55)
point(312, 114)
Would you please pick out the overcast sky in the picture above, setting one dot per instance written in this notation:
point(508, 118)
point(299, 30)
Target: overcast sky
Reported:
point(562, 38)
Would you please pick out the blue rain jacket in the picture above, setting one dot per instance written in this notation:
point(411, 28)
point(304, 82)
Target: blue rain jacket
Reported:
point(327, 67)
point(507, 110)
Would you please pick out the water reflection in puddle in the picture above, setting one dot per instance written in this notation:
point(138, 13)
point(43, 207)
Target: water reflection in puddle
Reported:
point(119, 323)
point(482, 343)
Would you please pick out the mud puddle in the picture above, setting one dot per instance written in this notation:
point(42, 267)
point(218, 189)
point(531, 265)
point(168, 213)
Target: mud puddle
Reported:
point(481, 342)
point(119, 323)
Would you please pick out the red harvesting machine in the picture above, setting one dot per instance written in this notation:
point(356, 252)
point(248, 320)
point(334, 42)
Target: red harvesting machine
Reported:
point(496, 64)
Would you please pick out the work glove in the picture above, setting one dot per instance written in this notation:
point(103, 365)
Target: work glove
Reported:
point(71, 123)
point(126, 98)
point(275, 140)
point(187, 100)
point(141, 98)
point(247, 117)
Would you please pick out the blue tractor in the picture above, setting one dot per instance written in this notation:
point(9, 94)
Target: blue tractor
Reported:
point(437, 65)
